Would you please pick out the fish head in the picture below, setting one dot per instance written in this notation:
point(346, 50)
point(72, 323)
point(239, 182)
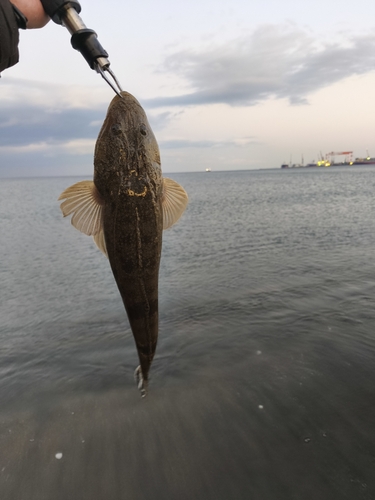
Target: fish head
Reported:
point(126, 146)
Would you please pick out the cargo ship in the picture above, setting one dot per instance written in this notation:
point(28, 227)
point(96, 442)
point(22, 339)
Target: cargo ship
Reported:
point(364, 161)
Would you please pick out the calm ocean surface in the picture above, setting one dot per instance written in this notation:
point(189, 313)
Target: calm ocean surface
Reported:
point(263, 385)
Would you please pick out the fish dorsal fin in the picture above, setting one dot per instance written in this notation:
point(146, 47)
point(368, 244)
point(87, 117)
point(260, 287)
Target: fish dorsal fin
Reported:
point(174, 201)
point(100, 242)
point(85, 203)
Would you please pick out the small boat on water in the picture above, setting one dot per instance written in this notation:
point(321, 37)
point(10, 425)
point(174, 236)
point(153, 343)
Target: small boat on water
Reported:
point(208, 169)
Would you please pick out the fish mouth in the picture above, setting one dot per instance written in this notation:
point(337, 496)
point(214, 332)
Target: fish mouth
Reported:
point(125, 100)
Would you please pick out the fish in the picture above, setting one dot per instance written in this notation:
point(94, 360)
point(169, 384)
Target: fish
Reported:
point(125, 208)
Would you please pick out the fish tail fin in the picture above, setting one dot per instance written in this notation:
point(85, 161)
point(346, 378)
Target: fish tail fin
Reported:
point(140, 381)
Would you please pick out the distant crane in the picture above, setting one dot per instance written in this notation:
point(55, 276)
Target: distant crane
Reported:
point(330, 157)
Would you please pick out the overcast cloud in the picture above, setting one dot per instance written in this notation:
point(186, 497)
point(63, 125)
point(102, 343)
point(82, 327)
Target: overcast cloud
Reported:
point(182, 144)
point(273, 61)
point(33, 124)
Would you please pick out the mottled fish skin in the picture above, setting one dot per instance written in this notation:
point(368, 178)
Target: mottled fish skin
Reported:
point(128, 177)
point(125, 208)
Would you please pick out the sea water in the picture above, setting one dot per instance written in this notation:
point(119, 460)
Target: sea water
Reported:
point(263, 384)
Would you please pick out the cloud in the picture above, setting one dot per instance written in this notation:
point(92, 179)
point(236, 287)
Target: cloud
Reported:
point(73, 147)
point(23, 124)
point(44, 162)
point(42, 115)
point(47, 129)
point(51, 95)
point(183, 144)
point(36, 116)
point(275, 61)
point(159, 121)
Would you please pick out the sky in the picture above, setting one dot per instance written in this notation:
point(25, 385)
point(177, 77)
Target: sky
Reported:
point(225, 85)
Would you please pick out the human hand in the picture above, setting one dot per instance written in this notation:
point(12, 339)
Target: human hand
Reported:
point(33, 10)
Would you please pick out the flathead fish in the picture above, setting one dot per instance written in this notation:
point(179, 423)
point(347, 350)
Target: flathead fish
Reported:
point(125, 209)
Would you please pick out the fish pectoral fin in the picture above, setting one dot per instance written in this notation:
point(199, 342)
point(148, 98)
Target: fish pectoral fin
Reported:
point(100, 242)
point(174, 201)
point(84, 201)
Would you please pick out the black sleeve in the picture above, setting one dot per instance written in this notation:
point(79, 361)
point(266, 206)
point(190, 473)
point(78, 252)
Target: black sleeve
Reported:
point(9, 37)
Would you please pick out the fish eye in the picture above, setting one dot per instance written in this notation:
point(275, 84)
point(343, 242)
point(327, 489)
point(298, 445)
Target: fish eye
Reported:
point(116, 129)
point(143, 129)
